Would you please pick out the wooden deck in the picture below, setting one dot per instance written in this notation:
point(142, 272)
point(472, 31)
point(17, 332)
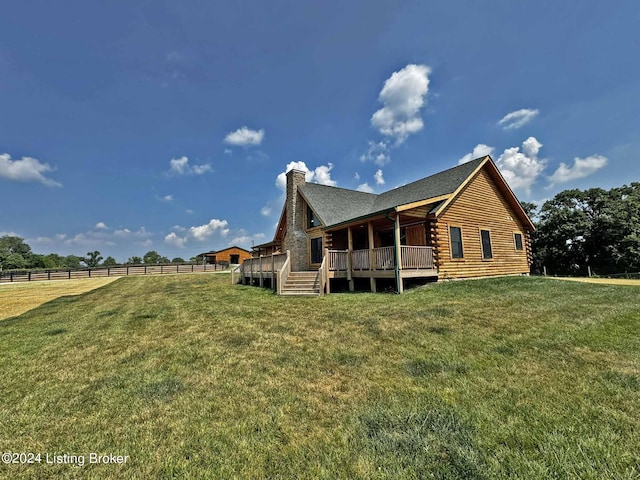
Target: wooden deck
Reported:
point(414, 262)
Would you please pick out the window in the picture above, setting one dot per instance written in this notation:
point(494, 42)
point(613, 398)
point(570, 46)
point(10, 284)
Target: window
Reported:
point(316, 250)
point(312, 219)
point(486, 244)
point(456, 242)
point(517, 238)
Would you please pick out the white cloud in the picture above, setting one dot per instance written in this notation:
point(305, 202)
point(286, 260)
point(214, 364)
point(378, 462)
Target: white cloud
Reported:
point(320, 175)
point(480, 150)
point(522, 169)
point(180, 166)
point(228, 151)
point(356, 176)
point(126, 233)
point(379, 178)
point(265, 211)
point(178, 228)
point(26, 169)
point(244, 137)
point(518, 118)
point(364, 187)
point(581, 168)
point(188, 211)
point(175, 241)
point(166, 198)
point(101, 226)
point(244, 240)
point(403, 95)
point(215, 226)
point(377, 152)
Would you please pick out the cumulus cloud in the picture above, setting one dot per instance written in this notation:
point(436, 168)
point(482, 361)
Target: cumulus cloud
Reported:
point(522, 168)
point(175, 241)
point(265, 211)
point(480, 150)
point(356, 176)
point(403, 95)
point(581, 168)
point(215, 226)
point(244, 240)
point(377, 152)
point(379, 178)
point(165, 198)
point(26, 169)
point(101, 226)
point(244, 137)
point(180, 166)
point(518, 118)
point(364, 187)
point(321, 174)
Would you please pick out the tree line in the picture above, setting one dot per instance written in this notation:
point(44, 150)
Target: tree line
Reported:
point(580, 229)
point(16, 254)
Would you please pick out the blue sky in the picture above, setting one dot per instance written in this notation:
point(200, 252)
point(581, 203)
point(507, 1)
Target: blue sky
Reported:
point(135, 126)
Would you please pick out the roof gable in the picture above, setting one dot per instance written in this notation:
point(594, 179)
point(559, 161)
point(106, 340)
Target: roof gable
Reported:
point(338, 205)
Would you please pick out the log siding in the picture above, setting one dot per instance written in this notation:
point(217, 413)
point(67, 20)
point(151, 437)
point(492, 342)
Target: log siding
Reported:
point(481, 206)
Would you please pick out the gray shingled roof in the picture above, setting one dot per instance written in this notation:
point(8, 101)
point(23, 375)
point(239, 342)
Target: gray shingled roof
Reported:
point(337, 205)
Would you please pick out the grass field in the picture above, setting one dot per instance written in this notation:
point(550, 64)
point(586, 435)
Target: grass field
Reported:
point(193, 378)
point(17, 298)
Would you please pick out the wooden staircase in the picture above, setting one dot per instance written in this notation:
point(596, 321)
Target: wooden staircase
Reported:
point(302, 284)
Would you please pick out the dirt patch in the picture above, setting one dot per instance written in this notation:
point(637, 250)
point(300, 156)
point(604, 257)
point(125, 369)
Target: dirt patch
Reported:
point(18, 298)
point(605, 281)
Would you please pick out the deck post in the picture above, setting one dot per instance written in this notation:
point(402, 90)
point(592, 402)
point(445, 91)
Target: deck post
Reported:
point(349, 259)
point(396, 241)
point(372, 258)
point(251, 274)
point(261, 280)
point(273, 272)
point(326, 266)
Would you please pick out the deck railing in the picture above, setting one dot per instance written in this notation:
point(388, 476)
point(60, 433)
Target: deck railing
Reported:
point(338, 260)
point(267, 264)
point(360, 259)
point(414, 257)
point(385, 258)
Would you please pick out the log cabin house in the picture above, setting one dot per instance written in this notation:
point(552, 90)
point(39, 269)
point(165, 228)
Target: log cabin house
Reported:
point(460, 223)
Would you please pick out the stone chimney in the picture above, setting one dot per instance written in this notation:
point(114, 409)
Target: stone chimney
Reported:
point(295, 239)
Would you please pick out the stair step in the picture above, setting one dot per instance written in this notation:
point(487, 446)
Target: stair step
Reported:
point(301, 284)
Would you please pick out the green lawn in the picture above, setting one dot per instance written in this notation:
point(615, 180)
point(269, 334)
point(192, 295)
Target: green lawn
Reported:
point(193, 378)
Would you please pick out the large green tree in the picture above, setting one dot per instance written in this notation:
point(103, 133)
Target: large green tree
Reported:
point(596, 228)
point(16, 248)
point(109, 262)
point(93, 259)
point(154, 257)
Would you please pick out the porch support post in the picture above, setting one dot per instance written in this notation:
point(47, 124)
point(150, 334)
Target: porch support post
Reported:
point(273, 272)
point(372, 258)
point(396, 241)
point(349, 260)
point(261, 280)
point(326, 271)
